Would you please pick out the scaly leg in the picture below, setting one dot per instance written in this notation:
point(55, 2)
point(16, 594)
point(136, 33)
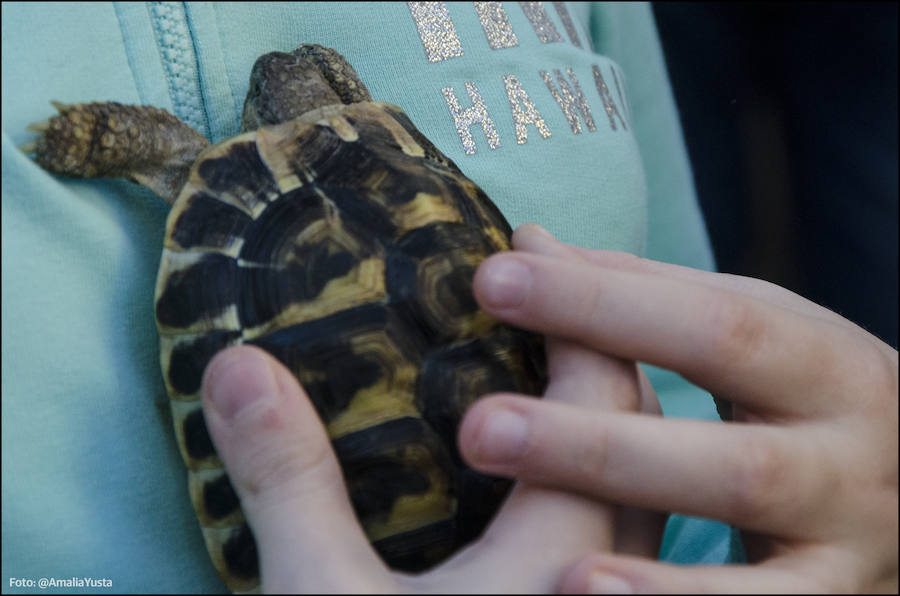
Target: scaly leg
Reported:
point(143, 144)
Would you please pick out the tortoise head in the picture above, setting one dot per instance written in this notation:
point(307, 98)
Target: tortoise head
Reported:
point(285, 86)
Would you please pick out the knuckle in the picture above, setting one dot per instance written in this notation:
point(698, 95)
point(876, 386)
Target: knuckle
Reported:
point(592, 466)
point(756, 490)
point(864, 378)
point(591, 307)
point(738, 332)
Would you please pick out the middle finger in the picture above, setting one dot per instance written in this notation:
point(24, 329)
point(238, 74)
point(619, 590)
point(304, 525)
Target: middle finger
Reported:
point(763, 477)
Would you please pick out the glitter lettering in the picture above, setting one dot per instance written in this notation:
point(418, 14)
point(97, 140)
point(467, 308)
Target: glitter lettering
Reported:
point(570, 103)
point(496, 25)
point(624, 103)
point(542, 24)
point(608, 101)
point(563, 13)
point(523, 110)
point(436, 30)
point(475, 114)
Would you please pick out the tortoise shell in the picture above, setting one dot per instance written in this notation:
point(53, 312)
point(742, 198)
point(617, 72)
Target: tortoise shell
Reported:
point(344, 243)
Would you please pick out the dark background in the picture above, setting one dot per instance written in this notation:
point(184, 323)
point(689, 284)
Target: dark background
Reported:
point(790, 117)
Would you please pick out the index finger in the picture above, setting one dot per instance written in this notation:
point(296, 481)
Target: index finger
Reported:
point(533, 238)
point(753, 351)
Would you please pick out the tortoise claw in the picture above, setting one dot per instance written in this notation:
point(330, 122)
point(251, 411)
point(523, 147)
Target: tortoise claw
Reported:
point(60, 106)
point(28, 148)
point(39, 127)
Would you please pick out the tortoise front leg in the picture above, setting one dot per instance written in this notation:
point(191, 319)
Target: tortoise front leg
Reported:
point(143, 144)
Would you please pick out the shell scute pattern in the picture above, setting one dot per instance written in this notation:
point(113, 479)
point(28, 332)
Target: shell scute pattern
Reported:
point(369, 340)
point(239, 172)
point(211, 225)
point(344, 244)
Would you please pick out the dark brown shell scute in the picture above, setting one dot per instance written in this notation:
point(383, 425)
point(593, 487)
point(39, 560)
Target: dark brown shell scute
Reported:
point(479, 498)
point(467, 369)
point(240, 553)
point(209, 223)
point(197, 440)
point(220, 498)
point(480, 212)
point(365, 218)
point(265, 291)
point(440, 238)
point(375, 471)
point(202, 290)
point(429, 273)
point(276, 228)
point(188, 360)
point(352, 165)
point(241, 173)
point(417, 550)
point(379, 469)
point(452, 378)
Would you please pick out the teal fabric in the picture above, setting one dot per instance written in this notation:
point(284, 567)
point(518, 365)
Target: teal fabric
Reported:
point(93, 485)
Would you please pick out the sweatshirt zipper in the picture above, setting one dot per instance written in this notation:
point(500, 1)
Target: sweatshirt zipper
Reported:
point(171, 27)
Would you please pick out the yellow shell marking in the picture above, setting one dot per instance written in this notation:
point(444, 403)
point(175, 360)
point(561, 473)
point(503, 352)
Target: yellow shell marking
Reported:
point(407, 144)
point(414, 511)
point(275, 145)
point(364, 283)
point(423, 210)
point(383, 401)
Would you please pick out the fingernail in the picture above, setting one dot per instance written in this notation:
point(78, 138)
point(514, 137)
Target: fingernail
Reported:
point(238, 379)
point(503, 437)
point(507, 282)
point(604, 583)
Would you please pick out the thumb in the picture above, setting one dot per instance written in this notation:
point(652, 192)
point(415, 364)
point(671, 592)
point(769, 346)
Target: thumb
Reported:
point(282, 466)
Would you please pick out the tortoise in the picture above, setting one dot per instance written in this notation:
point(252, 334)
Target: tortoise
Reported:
point(334, 235)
